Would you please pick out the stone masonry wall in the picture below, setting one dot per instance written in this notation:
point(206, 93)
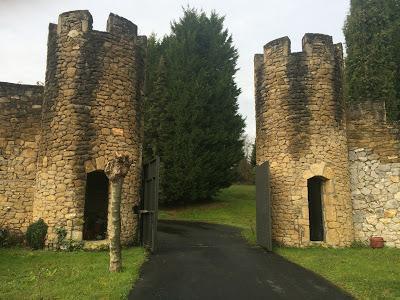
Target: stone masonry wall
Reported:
point(92, 109)
point(301, 131)
point(20, 113)
point(374, 148)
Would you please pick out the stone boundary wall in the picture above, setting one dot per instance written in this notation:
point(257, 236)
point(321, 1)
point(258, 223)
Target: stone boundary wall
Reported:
point(301, 131)
point(374, 148)
point(92, 109)
point(20, 114)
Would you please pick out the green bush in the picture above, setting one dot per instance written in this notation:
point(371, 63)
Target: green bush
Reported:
point(4, 237)
point(10, 238)
point(65, 244)
point(36, 234)
point(359, 244)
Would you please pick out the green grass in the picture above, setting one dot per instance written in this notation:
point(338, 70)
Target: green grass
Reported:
point(364, 273)
point(28, 274)
point(233, 206)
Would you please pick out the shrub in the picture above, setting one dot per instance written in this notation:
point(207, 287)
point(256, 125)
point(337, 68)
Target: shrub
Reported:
point(66, 244)
point(36, 234)
point(61, 235)
point(4, 237)
point(10, 238)
point(359, 244)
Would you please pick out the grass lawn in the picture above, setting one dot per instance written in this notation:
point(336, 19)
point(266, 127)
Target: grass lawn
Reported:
point(365, 273)
point(28, 274)
point(233, 206)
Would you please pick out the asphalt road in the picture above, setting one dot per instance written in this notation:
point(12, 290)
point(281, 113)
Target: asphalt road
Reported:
point(207, 261)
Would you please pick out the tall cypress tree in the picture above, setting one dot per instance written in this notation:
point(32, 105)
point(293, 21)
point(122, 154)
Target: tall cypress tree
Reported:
point(155, 91)
point(199, 135)
point(372, 32)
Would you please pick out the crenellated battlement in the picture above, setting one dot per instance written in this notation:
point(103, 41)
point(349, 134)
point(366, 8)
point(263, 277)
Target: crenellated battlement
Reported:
point(313, 44)
point(299, 75)
point(278, 47)
point(77, 22)
point(120, 25)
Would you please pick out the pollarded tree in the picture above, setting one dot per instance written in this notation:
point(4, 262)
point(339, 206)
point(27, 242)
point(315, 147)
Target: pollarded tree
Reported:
point(373, 57)
point(199, 140)
point(116, 170)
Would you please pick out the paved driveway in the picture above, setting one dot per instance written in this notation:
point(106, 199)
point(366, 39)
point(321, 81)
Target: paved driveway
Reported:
point(206, 261)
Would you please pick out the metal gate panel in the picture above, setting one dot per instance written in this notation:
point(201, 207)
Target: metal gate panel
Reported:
point(149, 211)
point(263, 207)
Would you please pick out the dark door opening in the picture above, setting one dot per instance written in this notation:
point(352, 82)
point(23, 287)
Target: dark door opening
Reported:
point(315, 208)
point(96, 206)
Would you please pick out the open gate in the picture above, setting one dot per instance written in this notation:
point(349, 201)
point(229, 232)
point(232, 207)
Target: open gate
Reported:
point(263, 207)
point(148, 212)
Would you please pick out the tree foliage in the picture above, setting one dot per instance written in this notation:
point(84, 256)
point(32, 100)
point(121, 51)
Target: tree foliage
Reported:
point(253, 159)
point(372, 32)
point(191, 118)
point(36, 234)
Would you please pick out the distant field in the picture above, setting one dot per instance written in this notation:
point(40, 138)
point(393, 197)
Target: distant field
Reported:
point(234, 206)
point(365, 273)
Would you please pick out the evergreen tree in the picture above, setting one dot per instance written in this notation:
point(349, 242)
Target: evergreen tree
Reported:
point(373, 57)
point(253, 159)
point(156, 94)
point(198, 138)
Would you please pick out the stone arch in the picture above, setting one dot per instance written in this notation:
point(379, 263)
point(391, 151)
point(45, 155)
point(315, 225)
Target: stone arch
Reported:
point(97, 164)
point(329, 215)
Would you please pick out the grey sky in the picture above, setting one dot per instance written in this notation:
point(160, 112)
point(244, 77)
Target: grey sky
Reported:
point(24, 23)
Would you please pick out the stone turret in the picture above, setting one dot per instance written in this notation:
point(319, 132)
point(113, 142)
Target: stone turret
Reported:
point(91, 109)
point(301, 131)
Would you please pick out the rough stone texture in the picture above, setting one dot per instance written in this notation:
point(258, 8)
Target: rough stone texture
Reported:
point(305, 130)
point(91, 109)
point(375, 173)
point(301, 131)
point(20, 112)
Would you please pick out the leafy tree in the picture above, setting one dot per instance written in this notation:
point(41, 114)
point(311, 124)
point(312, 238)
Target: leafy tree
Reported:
point(373, 57)
point(253, 161)
point(195, 95)
point(245, 172)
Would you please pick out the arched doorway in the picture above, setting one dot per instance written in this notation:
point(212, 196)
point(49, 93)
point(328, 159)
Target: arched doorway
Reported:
point(96, 206)
point(315, 208)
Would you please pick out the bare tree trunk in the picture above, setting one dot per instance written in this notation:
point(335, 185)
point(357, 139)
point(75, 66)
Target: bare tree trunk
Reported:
point(116, 171)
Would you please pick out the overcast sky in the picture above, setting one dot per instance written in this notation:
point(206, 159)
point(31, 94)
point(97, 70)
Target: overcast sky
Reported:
point(24, 24)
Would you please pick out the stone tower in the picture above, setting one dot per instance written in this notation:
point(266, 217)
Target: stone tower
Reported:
point(91, 109)
point(301, 131)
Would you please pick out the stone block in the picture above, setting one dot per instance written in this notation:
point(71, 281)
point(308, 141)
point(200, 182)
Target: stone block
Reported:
point(390, 213)
point(89, 167)
point(100, 163)
point(117, 131)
